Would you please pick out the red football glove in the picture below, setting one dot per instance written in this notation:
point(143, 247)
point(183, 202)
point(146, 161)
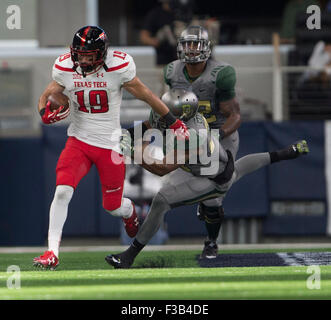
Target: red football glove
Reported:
point(53, 116)
point(180, 130)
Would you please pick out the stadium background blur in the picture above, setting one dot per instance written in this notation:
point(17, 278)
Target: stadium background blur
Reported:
point(286, 202)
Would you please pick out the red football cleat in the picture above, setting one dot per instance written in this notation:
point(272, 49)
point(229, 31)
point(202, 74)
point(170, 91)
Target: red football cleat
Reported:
point(131, 224)
point(47, 261)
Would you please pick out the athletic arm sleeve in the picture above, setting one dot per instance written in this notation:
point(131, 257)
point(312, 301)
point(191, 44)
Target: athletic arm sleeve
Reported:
point(225, 83)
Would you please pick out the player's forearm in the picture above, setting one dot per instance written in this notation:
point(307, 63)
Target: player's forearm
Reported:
point(138, 89)
point(52, 87)
point(231, 124)
point(160, 169)
point(231, 110)
point(155, 102)
point(42, 102)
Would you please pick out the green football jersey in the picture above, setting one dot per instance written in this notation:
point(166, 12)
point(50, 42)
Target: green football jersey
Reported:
point(212, 157)
point(214, 85)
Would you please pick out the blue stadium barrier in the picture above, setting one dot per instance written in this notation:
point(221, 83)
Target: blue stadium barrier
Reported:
point(302, 179)
point(22, 192)
point(28, 184)
point(241, 200)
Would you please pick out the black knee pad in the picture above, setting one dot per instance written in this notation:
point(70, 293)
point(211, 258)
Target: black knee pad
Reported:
point(210, 214)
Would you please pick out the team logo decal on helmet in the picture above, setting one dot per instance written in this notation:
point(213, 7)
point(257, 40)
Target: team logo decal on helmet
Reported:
point(183, 105)
point(89, 41)
point(193, 45)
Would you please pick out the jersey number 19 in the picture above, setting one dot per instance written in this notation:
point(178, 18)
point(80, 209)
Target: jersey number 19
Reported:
point(98, 101)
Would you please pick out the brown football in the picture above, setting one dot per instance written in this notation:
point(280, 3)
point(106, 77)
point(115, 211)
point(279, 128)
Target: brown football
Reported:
point(58, 99)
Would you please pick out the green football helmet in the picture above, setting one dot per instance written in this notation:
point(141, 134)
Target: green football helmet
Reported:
point(182, 104)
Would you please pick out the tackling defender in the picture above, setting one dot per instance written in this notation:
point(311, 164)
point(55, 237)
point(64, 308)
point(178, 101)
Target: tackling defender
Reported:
point(213, 83)
point(196, 182)
point(94, 75)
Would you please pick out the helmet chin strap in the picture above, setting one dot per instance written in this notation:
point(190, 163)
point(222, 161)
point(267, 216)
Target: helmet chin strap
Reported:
point(83, 71)
point(86, 69)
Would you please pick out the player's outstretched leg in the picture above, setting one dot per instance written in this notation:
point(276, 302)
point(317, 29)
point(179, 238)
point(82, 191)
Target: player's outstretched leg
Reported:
point(152, 223)
point(46, 261)
point(293, 151)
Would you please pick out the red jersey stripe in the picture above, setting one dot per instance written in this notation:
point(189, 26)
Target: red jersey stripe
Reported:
point(63, 68)
point(118, 67)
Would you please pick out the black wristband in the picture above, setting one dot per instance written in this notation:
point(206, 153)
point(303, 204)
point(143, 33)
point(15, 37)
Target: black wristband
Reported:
point(222, 134)
point(143, 128)
point(169, 118)
point(42, 111)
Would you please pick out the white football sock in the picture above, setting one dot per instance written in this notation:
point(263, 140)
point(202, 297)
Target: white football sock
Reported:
point(57, 216)
point(125, 210)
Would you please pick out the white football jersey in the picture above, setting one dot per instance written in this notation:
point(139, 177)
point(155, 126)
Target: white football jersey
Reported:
point(96, 99)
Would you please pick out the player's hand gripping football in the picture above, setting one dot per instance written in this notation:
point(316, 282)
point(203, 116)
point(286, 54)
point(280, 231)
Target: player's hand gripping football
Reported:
point(49, 116)
point(180, 130)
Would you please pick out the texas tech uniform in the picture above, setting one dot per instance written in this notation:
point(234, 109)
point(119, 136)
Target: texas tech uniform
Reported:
point(93, 75)
point(95, 122)
point(96, 98)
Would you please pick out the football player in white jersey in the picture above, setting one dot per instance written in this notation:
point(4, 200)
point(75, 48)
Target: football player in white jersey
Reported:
point(93, 76)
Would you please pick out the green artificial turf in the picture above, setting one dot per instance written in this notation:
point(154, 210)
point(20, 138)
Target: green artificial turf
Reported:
point(157, 276)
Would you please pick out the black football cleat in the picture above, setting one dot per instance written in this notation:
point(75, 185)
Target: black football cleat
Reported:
point(119, 261)
point(293, 151)
point(210, 250)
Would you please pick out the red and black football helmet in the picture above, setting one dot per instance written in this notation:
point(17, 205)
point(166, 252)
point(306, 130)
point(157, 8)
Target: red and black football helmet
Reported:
point(89, 40)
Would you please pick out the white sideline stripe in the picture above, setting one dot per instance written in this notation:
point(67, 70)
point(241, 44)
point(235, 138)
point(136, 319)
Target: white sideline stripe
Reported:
point(305, 258)
point(170, 247)
point(290, 261)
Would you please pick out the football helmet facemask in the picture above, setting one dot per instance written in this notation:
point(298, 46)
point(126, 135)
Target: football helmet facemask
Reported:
point(193, 45)
point(89, 41)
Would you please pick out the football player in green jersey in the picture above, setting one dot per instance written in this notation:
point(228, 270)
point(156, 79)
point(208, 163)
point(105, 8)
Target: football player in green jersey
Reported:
point(214, 84)
point(200, 180)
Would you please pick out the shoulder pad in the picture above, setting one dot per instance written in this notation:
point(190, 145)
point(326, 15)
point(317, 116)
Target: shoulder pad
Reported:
point(118, 61)
point(170, 69)
point(64, 63)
